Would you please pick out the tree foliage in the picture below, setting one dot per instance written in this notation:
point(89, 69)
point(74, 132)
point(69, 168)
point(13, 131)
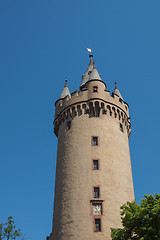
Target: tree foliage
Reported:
point(140, 222)
point(8, 230)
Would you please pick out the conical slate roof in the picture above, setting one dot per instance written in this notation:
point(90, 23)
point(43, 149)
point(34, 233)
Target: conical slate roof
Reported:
point(94, 74)
point(85, 77)
point(65, 91)
point(117, 92)
point(91, 73)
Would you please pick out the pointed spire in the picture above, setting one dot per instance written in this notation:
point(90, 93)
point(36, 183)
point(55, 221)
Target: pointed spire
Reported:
point(91, 73)
point(65, 91)
point(94, 75)
point(85, 77)
point(116, 91)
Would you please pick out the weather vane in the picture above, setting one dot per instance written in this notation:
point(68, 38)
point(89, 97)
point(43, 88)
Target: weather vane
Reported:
point(89, 50)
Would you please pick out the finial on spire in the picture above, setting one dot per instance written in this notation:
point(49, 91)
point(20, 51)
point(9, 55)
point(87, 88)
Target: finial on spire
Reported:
point(90, 55)
point(115, 84)
point(65, 91)
point(65, 82)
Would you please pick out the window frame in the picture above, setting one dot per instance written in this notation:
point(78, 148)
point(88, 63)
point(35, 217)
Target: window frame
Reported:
point(99, 194)
point(100, 220)
point(95, 89)
point(98, 141)
point(93, 160)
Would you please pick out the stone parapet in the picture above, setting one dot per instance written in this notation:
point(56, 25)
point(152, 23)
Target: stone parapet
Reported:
point(92, 104)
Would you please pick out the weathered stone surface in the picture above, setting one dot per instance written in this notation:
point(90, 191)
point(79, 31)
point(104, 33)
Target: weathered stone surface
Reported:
point(75, 177)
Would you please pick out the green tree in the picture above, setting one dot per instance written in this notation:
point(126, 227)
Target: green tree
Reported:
point(8, 230)
point(140, 222)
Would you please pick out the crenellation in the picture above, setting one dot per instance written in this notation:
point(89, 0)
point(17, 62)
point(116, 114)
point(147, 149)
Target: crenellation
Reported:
point(94, 108)
point(74, 94)
point(84, 96)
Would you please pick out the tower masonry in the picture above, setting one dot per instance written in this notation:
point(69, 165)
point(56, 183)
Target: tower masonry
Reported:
point(93, 173)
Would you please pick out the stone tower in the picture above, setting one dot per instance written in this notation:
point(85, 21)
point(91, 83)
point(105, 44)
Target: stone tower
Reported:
point(93, 174)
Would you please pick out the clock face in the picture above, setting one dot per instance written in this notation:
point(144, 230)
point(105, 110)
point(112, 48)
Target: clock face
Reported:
point(97, 209)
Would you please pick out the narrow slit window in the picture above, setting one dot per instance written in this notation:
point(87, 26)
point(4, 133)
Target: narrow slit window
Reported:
point(121, 127)
point(95, 89)
point(97, 225)
point(96, 192)
point(94, 141)
point(68, 125)
point(95, 164)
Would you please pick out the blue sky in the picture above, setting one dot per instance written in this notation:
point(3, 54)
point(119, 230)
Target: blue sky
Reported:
point(43, 42)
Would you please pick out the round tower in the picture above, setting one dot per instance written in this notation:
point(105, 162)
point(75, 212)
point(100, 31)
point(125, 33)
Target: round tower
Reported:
point(93, 173)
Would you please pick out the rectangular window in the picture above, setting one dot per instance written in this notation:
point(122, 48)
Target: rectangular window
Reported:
point(96, 192)
point(95, 89)
point(97, 225)
point(95, 164)
point(94, 141)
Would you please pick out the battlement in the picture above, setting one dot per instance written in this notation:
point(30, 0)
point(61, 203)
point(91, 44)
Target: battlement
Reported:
point(92, 99)
point(86, 94)
point(92, 104)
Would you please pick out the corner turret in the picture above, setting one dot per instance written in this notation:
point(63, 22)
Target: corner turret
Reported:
point(65, 91)
point(116, 91)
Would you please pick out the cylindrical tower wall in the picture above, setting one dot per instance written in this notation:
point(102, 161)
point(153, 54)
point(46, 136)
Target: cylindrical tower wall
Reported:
point(75, 177)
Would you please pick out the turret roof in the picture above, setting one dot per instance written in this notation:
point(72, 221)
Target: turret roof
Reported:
point(85, 77)
point(117, 92)
point(65, 91)
point(91, 73)
point(94, 74)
